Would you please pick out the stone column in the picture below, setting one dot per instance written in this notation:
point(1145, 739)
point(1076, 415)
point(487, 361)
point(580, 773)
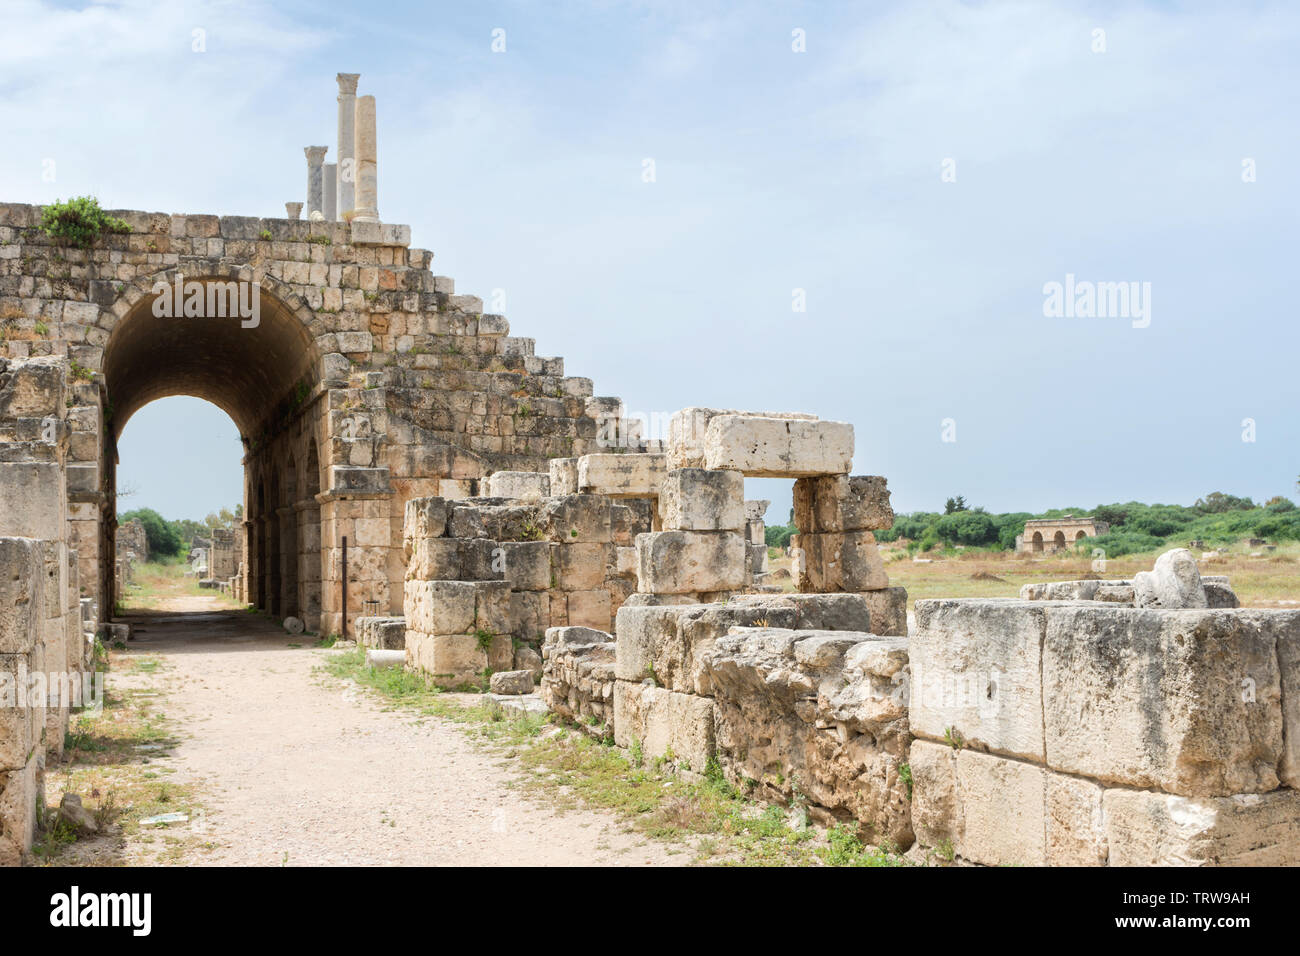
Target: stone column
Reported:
point(367, 157)
point(347, 141)
point(315, 179)
point(331, 192)
point(293, 209)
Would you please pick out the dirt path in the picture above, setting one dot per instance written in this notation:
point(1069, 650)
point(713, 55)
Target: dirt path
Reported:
point(295, 770)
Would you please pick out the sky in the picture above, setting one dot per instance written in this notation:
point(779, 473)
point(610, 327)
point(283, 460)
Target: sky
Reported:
point(914, 174)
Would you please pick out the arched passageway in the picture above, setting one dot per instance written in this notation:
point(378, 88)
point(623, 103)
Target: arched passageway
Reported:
point(242, 348)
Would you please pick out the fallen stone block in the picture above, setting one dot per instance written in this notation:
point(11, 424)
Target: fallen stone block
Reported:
point(382, 660)
point(511, 682)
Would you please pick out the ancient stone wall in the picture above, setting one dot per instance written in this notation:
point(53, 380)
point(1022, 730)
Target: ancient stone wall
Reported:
point(43, 647)
point(365, 382)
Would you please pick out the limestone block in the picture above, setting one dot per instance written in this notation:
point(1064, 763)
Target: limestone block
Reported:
point(820, 612)
point(530, 614)
point(694, 499)
point(621, 476)
point(455, 659)
point(1146, 828)
point(434, 559)
point(688, 427)
point(21, 610)
point(18, 793)
point(529, 659)
point(1075, 823)
point(1285, 628)
point(19, 732)
point(32, 500)
point(528, 564)
point(590, 609)
point(678, 562)
point(576, 519)
point(457, 607)
point(665, 723)
point(1002, 807)
point(1174, 582)
point(936, 807)
point(625, 562)
point(842, 503)
point(527, 485)
point(839, 561)
point(564, 476)
point(1219, 595)
point(888, 607)
point(1184, 701)
point(778, 447)
point(975, 674)
point(574, 635)
point(582, 566)
point(511, 682)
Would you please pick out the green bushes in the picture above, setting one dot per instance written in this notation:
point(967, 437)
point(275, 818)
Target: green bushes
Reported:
point(1217, 519)
point(161, 534)
point(79, 222)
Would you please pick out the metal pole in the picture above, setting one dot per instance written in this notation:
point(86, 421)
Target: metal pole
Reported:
point(344, 629)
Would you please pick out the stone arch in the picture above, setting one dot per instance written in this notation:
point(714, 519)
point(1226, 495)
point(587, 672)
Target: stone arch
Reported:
point(260, 369)
point(1058, 540)
point(1037, 541)
point(1080, 535)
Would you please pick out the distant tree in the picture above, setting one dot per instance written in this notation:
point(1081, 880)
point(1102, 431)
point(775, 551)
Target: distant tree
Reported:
point(162, 535)
point(953, 505)
point(1217, 503)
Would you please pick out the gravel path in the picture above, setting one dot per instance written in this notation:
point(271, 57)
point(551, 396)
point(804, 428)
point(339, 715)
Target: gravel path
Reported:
point(296, 770)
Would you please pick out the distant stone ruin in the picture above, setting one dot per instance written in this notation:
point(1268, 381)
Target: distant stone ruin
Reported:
point(1058, 534)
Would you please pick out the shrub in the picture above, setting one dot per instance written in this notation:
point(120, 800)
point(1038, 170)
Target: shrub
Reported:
point(162, 535)
point(79, 222)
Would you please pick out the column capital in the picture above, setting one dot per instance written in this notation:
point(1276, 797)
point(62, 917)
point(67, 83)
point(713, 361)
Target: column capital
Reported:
point(347, 83)
point(315, 154)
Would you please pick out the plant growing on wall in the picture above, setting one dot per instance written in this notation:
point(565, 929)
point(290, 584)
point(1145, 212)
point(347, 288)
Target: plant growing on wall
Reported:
point(79, 221)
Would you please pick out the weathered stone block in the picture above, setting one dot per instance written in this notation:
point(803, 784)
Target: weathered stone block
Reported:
point(778, 447)
point(564, 476)
point(1184, 701)
point(512, 682)
point(582, 566)
point(975, 674)
point(1285, 628)
point(888, 608)
point(21, 611)
point(839, 561)
point(576, 518)
point(695, 499)
point(526, 485)
point(527, 564)
point(842, 503)
point(665, 723)
point(457, 607)
point(679, 562)
point(687, 429)
point(1145, 828)
point(590, 609)
point(455, 659)
point(621, 476)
